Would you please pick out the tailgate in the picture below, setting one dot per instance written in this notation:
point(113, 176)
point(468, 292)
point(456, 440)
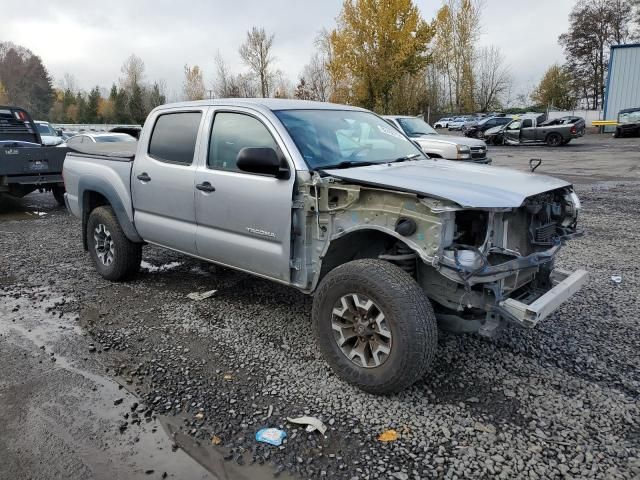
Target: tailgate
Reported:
point(31, 161)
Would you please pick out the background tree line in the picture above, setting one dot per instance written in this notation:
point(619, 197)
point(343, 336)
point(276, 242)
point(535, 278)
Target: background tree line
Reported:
point(381, 54)
point(384, 56)
point(594, 26)
point(25, 82)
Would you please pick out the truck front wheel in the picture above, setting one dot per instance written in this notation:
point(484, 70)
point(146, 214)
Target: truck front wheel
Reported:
point(114, 255)
point(374, 326)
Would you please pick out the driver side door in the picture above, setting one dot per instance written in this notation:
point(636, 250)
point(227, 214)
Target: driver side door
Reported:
point(243, 219)
point(512, 132)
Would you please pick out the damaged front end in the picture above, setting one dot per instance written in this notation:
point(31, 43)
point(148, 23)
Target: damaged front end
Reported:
point(479, 266)
point(498, 264)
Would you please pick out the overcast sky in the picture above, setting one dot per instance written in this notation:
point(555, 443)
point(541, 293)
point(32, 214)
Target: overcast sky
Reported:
point(90, 40)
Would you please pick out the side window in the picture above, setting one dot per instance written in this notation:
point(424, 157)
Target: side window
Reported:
point(174, 137)
point(231, 132)
point(527, 123)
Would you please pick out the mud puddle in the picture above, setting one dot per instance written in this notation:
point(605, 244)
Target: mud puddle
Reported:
point(78, 416)
point(16, 209)
point(96, 421)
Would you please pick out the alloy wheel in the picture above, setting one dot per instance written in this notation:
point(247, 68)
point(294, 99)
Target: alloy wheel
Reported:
point(105, 249)
point(361, 330)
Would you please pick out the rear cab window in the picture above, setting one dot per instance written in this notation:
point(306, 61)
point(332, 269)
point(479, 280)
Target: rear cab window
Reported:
point(174, 135)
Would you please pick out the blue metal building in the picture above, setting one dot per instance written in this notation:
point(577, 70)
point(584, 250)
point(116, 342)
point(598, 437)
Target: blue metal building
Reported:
point(623, 80)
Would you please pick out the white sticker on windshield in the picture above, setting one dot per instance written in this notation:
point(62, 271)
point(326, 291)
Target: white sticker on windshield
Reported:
point(391, 131)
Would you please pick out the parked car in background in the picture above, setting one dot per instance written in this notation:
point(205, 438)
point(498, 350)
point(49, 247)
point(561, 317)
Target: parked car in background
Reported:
point(66, 134)
point(533, 129)
point(439, 146)
point(48, 134)
point(25, 164)
point(442, 123)
point(477, 129)
point(90, 138)
point(628, 123)
point(494, 135)
point(335, 202)
point(458, 122)
point(133, 131)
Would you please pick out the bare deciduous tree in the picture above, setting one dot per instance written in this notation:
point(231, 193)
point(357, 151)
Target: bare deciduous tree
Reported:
point(229, 85)
point(493, 78)
point(223, 85)
point(256, 54)
point(193, 85)
point(133, 73)
point(317, 78)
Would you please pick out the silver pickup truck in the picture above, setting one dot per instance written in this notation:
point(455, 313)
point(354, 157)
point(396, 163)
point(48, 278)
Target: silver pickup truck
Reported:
point(337, 203)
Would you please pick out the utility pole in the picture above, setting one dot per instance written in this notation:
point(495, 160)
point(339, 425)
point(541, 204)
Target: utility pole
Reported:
point(210, 94)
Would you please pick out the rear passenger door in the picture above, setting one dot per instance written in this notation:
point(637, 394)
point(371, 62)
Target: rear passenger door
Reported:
point(162, 179)
point(244, 219)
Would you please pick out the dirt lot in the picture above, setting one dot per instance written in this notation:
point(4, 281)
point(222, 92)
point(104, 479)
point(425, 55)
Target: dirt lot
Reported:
point(134, 380)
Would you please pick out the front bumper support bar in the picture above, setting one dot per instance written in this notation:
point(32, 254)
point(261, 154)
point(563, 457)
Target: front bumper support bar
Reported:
point(529, 315)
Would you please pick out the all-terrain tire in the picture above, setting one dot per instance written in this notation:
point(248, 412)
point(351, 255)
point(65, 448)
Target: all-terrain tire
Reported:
point(58, 194)
point(407, 311)
point(126, 256)
point(554, 140)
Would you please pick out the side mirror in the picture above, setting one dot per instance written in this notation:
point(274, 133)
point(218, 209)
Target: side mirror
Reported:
point(264, 161)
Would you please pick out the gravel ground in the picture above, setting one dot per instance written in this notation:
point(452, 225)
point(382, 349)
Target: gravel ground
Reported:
point(560, 401)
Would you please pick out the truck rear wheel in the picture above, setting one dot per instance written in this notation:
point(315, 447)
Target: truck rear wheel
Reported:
point(114, 255)
point(58, 194)
point(374, 326)
point(554, 140)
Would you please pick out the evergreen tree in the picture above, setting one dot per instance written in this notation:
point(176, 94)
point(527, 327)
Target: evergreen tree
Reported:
point(93, 104)
point(137, 111)
point(121, 106)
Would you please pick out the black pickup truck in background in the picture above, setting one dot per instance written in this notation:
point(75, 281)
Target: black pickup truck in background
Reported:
point(25, 164)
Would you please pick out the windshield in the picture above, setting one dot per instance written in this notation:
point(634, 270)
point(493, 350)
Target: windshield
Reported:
point(114, 138)
point(630, 117)
point(45, 129)
point(328, 138)
point(416, 126)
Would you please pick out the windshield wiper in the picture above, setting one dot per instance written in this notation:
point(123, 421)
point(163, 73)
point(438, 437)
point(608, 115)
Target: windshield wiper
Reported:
point(348, 163)
point(411, 156)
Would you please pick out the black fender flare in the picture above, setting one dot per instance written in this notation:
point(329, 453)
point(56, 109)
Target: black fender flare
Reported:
point(101, 186)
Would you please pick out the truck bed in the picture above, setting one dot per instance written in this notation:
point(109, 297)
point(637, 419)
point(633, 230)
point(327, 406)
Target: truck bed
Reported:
point(120, 151)
point(104, 168)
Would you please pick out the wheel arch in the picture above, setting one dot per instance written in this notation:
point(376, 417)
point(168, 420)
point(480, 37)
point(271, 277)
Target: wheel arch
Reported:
point(348, 246)
point(95, 193)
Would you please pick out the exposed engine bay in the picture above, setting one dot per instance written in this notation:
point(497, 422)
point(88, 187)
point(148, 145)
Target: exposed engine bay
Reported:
point(502, 254)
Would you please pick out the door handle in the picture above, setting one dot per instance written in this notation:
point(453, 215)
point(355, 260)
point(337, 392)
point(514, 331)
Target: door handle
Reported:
point(144, 177)
point(206, 187)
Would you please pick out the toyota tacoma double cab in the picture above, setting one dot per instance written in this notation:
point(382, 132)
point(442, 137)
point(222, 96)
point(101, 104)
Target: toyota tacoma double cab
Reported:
point(335, 202)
